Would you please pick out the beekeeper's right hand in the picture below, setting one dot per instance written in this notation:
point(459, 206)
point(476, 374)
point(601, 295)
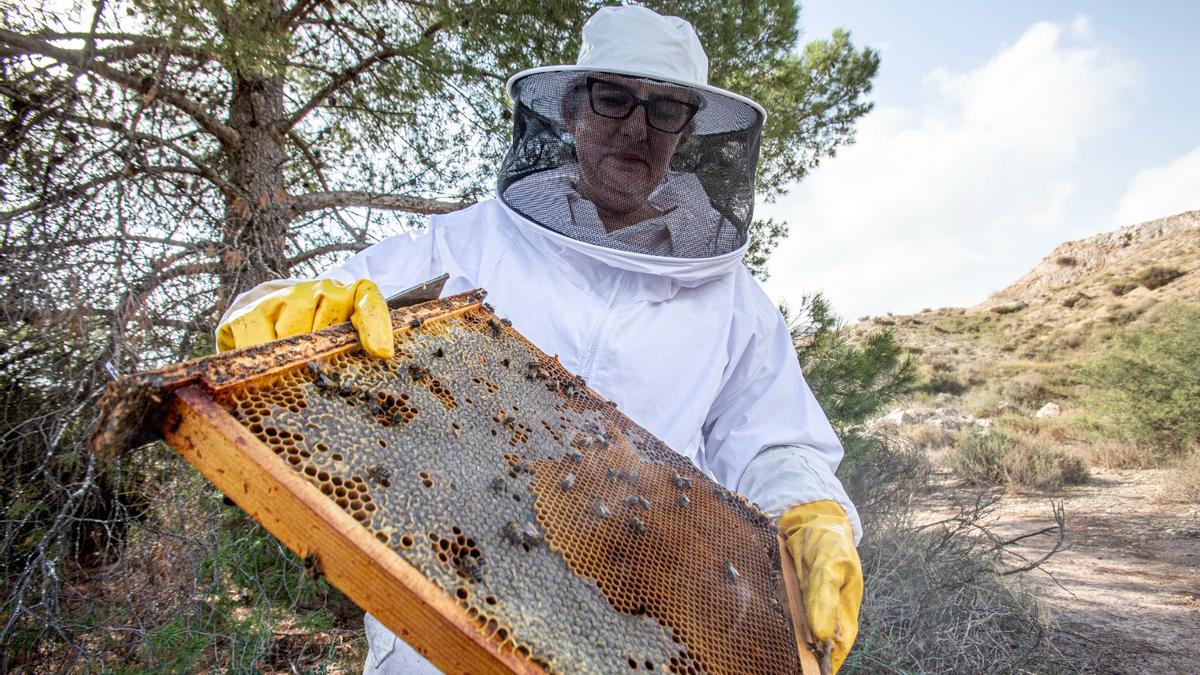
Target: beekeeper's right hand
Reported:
point(309, 306)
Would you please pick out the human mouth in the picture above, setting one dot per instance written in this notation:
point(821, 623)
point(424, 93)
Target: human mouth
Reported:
point(629, 157)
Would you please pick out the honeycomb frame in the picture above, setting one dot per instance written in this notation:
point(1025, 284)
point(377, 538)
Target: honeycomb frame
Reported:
point(617, 523)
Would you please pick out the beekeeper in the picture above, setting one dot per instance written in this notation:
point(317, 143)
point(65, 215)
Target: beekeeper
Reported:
point(616, 241)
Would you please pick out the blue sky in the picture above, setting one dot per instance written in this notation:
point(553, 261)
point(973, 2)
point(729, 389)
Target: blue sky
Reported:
point(1000, 130)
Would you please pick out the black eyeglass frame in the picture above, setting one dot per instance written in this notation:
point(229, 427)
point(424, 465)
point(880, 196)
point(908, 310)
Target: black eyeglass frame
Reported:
point(644, 103)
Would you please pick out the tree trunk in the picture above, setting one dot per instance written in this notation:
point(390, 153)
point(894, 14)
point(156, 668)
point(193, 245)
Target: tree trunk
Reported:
point(255, 231)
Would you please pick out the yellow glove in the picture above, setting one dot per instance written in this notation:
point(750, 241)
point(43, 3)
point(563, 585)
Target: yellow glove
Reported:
point(309, 306)
point(821, 542)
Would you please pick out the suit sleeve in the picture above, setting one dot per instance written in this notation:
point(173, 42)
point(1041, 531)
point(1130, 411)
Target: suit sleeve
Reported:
point(766, 434)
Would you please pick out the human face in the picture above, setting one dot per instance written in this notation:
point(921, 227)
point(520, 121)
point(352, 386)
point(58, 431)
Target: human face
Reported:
point(622, 161)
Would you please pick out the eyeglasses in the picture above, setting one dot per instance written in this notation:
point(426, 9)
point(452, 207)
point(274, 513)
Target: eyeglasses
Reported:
point(611, 100)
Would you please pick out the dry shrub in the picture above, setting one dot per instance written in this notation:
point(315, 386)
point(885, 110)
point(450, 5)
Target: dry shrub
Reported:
point(983, 402)
point(1116, 454)
point(188, 585)
point(1076, 299)
point(940, 597)
point(1156, 276)
point(1184, 481)
point(943, 379)
point(1028, 389)
point(996, 458)
point(928, 436)
point(1119, 288)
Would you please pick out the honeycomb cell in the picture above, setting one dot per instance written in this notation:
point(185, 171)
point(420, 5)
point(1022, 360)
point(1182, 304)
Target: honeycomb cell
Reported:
point(568, 535)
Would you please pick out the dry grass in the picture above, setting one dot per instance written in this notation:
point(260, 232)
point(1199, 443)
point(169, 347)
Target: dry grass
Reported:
point(939, 597)
point(1114, 454)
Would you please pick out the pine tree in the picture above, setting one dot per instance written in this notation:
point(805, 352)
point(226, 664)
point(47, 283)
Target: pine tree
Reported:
point(159, 156)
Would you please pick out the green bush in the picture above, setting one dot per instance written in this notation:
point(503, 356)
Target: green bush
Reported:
point(853, 382)
point(995, 458)
point(1148, 385)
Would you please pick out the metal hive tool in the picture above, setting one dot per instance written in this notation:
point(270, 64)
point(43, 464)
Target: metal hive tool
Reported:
point(480, 500)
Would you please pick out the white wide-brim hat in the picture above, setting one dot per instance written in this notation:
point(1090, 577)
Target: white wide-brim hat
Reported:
point(638, 42)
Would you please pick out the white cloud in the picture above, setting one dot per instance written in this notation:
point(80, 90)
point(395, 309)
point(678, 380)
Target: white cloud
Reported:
point(941, 204)
point(1161, 191)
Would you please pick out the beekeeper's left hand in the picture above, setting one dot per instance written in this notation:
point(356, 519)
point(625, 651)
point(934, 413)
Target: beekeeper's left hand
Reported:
point(821, 542)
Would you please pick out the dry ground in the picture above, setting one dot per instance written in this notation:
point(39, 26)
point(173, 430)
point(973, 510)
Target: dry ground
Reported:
point(1126, 592)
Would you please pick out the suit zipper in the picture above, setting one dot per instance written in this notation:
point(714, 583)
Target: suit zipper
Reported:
point(594, 340)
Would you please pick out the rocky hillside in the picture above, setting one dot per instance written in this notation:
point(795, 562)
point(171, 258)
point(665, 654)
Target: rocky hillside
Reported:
point(1071, 303)
point(1023, 364)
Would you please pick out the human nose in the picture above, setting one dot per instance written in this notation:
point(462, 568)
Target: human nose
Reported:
point(635, 127)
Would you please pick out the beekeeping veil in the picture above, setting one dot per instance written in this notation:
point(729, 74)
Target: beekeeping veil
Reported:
point(630, 148)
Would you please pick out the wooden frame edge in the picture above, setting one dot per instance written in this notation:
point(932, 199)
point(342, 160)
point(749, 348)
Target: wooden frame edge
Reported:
point(309, 524)
point(809, 665)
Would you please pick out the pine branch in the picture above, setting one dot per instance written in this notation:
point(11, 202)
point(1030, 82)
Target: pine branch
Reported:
point(135, 44)
point(133, 299)
point(297, 11)
point(314, 201)
point(78, 60)
point(319, 170)
point(61, 317)
point(346, 76)
point(60, 196)
point(353, 247)
point(202, 168)
point(88, 241)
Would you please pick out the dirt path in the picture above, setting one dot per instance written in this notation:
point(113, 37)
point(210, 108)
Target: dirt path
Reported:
point(1126, 591)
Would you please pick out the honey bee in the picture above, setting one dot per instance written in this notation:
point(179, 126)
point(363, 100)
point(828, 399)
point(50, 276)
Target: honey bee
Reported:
point(380, 474)
point(322, 381)
point(731, 573)
point(527, 535)
point(471, 568)
point(311, 567)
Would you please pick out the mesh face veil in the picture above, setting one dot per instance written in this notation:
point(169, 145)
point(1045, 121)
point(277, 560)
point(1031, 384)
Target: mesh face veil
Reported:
point(631, 163)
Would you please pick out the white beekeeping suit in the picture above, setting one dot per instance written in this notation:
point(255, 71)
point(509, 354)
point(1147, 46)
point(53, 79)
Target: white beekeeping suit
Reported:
point(616, 242)
point(691, 350)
